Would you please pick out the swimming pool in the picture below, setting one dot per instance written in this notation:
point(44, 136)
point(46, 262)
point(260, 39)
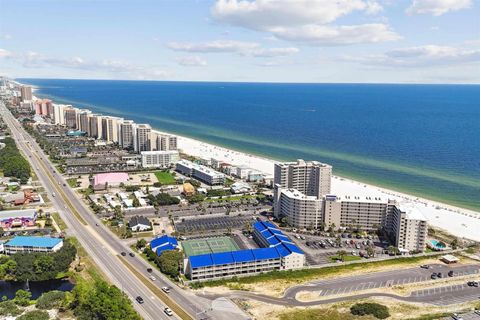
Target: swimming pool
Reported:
point(437, 244)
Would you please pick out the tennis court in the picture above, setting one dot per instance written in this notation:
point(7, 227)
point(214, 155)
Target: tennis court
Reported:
point(195, 247)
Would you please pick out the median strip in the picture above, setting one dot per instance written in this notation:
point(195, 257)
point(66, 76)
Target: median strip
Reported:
point(159, 293)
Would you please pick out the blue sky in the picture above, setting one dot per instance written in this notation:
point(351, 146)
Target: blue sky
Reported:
point(406, 41)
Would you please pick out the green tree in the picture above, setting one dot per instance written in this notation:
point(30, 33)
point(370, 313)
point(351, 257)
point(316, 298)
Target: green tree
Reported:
point(141, 243)
point(101, 301)
point(341, 254)
point(370, 251)
point(169, 262)
point(454, 244)
point(136, 202)
point(22, 298)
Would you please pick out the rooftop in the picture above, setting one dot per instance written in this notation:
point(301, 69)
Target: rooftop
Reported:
point(295, 194)
point(111, 177)
point(13, 214)
point(411, 211)
point(198, 167)
point(43, 242)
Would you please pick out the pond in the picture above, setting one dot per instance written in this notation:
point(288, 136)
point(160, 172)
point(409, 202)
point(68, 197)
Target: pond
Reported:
point(8, 288)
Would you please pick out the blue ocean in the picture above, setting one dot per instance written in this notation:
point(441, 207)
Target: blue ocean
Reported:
point(420, 139)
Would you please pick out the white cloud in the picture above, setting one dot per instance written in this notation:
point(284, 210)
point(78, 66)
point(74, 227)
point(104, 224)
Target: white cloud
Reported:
point(421, 56)
point(437, 7)
point(191, 61)
point(5, 53)
point(114, 67)
point(5, 36)
point(337, 35)
point(305, 20)
point(213, 46)
point(252, 49)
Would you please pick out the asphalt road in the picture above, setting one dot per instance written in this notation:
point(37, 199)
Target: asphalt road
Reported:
point(445, 295)
point(98, 242)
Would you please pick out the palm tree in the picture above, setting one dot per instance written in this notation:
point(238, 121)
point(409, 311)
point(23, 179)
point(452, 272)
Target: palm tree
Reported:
point(341, 254)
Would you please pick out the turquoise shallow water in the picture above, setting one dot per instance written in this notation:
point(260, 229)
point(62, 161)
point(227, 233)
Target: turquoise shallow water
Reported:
point(420, 139)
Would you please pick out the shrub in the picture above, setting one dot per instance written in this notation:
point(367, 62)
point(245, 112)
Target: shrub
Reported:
point(9, 308)
point(50, 300)
point(34, 315)
point(375, 309)
point(22, 298)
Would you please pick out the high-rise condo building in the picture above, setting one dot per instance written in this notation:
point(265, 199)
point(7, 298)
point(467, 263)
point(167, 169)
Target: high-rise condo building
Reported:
point(95, 126)
point(59, 113)
point(70, 115)
point(83, 120)
point(142, 138)
point(409, 228)
point(26, 93)
point(110, 128)
point(127, 133)
point(309, 177)
point(166, 142)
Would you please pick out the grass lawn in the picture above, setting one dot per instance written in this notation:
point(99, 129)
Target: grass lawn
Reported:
point(346, 258)
point(228, 182)
point(165, 177)
point(61, 224)
point(72, 182)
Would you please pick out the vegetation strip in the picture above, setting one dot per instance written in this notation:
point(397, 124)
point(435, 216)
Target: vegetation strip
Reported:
point(159, 293)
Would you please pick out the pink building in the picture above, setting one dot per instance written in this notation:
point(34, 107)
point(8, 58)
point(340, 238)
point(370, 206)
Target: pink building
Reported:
point(102, 180)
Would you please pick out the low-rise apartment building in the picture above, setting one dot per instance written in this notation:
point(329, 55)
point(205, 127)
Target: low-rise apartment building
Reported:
point(202, 173)
point(159, 159)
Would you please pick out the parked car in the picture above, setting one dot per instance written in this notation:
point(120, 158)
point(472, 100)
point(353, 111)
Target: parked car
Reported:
point(123, 253)
point(450, 273)
point(425, 266)
point(139, 299)
point(149, 269)
point(153, 278)
point(131, 254)
point(456, 317)
point(439, 275)
point(433, 276)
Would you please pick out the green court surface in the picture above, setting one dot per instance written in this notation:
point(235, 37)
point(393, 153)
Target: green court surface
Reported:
point(196, 247)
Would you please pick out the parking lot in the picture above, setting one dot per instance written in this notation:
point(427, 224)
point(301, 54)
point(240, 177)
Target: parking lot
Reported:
point(319, 249)
point(466, 316)
point(195, 225)
point(377, 280)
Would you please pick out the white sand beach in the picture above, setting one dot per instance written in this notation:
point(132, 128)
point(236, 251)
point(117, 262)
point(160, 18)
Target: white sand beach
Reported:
point(461, 222)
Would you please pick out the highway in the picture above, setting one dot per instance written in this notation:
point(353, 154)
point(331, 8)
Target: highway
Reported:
point(102, 245)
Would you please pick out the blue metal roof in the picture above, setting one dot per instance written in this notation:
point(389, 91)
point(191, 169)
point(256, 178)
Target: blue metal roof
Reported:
point(280, 246)
point(163, 243)
point(222, 258)
point(203, 260)
point(41, 242)
point(265, 253)
point(243, 256)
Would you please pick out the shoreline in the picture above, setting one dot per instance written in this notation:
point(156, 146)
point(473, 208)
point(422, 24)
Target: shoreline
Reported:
point(461, 222)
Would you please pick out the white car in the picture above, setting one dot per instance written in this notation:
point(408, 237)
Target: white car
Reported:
point(166, 289)
point(168, 312)
point(153, 278)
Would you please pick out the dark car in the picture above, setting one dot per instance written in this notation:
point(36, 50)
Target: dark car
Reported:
point(433, 276)
point(439, 275)
point(131, 254)
point(139, 299)
point(149, 269)
point(450, 273)
point(425, 266)
point(123, 253)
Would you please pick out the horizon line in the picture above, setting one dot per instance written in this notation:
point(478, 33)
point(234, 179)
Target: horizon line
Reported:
point(254, 82)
